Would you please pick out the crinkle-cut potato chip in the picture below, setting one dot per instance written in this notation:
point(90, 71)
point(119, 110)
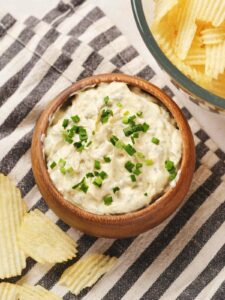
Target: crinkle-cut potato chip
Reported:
point(162, 7)
point(215, 60)
point(85, 272)
point(186, 27)
point(212, 11)
point(196, 55)
point(28, 292)
point(217, 86)
point(9, 291)
point(44, 241)
point(163, 39)
point(12, 210)
point(211, 36)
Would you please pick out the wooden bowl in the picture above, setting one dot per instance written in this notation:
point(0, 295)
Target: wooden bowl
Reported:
point(113, 226)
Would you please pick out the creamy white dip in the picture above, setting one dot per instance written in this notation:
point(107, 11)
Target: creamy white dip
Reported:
point(159, 143)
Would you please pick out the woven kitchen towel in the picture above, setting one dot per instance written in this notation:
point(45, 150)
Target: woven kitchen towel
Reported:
point(184, 256)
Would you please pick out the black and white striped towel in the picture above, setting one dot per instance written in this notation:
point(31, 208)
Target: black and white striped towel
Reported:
point(184, 257)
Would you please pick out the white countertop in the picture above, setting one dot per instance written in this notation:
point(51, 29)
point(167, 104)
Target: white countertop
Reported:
point(121, 14)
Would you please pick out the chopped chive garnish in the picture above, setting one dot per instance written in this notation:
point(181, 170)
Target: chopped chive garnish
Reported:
point(119, 104)
point(173, 175)
point(65, 123)
point(114, 139)
point(129, 149)
point(125, 120)
point(169, 165)
point(106, 100)
point(145, 127)
point(108, 200)
point(132, 140)
point(63, 170)
point(79, 146)
point(129, 166)
point(68, 140)
point(139, 165)
point(89, 175)
point(140, 113)
point(126, 113)
point(119, 144)
point(149, 162)
point(137, 172)
point(62, 162)
point(140, 155)
point(89, 143)
point(103, 175)
point(146, 194)
point(106, 159)
point(131, 120)
point(53, 164)
point(83, 134)
point(70, 170)
point(115, 189)
point(133, 178)
point(135, 128)
point(97, 165)
point(98, 181)
point(96, 173)
point(106, 113)
point(155, 140)
point(136, 135)
point(76, 119)
point(83, 186)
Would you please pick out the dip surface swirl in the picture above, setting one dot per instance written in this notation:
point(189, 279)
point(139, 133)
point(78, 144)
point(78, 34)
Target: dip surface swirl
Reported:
point(113, 149)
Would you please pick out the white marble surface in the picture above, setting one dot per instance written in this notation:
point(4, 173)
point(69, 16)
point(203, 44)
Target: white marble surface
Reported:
point(121, 14)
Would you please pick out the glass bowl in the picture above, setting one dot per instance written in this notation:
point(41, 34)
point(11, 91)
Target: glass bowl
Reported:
point(143, 13)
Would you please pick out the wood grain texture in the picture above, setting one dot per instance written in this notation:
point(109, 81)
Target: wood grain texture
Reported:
point(113, 226)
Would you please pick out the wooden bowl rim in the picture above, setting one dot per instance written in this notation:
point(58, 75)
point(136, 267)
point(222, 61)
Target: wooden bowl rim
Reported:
point(188, 154)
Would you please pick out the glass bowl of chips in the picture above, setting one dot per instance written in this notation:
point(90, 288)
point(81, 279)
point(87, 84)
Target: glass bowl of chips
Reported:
point(187, 39)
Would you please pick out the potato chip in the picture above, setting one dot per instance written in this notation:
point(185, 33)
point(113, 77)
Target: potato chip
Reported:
point(9, 291)
point(85, 272)
point(162, 7)
point(215, 60)
point(213, 36)
point(28, 292)
point(12, 210)
point(196, 55)
point(217, 86)
point(212, 11)
point(44, 241)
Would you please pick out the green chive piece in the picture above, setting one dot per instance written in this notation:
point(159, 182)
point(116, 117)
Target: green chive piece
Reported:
point(133, 129)
point(133, 178)
point(155, 140)
point(119, 104)
point(132, 140)
point(146, 194)
point(145, 127)
point(116, 189)
point(137, 172)
point(119, 144)
point(78, 184)
point(98, 181)
point(107, 159)
point(70, 170)
point(96, 173)
point(76, 119)
point(139, 165)
point(125, 120)
point(68, 140)
point(149, 162)
point(65, 123)
point(53, 164)
point(108, 199)
point(62, 162)
point(83, 186)
point(106, 113)
point(140, 114)
point(106, 100)
point(129, 166)
point(114, 139)
point(89, 143)
point(136, 135)
point(126, 113)
point(83, 134)
point(140, 155)
point(89, 175)
point(129, 149)
point(103, 175)
point(169, 165)
point(131, 120)
point(173, 175)
point(63, 170)
point(97, 165)
point(78, 146)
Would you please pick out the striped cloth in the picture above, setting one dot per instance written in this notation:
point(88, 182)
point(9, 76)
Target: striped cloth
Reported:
point(182, 258)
